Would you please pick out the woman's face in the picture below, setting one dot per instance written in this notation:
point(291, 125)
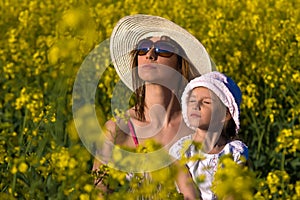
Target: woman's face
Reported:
point(156, 60)
point(204, 109)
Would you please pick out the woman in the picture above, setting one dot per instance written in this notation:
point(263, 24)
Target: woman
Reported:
point(155, 58)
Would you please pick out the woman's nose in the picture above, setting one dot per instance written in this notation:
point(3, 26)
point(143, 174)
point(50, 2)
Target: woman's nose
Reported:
point(151, 54)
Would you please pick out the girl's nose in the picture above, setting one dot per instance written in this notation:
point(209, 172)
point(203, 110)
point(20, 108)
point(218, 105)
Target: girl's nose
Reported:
point(197, 106)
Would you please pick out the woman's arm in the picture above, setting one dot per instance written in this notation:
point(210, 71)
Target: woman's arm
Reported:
point(103, 156)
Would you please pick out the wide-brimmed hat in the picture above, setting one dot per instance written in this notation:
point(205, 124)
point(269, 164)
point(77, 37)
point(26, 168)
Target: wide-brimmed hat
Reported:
point(221, 85)
point(131, 29)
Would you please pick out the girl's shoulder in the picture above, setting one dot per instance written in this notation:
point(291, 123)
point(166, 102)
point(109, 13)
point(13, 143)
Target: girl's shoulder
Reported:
point(237, 144)
point(178, 148)
point(237, 149)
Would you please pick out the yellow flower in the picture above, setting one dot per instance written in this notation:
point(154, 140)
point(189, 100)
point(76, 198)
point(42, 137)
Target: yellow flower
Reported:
point(84, 197)
point(23, 167)
point(72, 163)
point(297, 188)
point(14, 170)
point(34, 133)
point(88, 188)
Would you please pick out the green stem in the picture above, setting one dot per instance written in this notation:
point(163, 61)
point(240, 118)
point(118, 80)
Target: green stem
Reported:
point(259, 133)
point(282, 160)
point(283, 169)
point(14, 184)
point(23, 129)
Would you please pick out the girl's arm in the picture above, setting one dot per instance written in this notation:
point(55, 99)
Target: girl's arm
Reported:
point(185, 183)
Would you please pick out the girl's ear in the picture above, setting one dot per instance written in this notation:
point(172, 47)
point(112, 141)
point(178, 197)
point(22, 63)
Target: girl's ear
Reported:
point(228, 115)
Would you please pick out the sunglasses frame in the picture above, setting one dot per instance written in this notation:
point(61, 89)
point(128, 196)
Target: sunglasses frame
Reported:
point(157, 50)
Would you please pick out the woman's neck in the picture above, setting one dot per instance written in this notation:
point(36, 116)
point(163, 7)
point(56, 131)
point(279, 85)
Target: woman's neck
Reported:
point(159, 100)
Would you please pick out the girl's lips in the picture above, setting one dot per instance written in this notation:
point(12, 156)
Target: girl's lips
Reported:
point(195, 115)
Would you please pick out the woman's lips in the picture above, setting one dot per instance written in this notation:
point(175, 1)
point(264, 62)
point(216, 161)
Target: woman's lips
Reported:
point(149, 66)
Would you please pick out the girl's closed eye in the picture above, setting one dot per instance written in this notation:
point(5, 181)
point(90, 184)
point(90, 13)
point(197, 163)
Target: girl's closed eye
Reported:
point(192, 100)
point(206, 101)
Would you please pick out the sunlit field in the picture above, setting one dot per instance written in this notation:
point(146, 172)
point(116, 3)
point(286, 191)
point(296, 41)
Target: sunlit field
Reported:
point(43, 44)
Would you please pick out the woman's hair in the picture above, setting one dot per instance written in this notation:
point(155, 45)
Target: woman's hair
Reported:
point(187, 70)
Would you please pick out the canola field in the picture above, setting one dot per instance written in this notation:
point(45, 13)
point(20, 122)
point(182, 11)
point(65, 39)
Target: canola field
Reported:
point(43, 44)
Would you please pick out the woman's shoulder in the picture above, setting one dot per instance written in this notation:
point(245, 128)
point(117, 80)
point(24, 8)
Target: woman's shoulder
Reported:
point(110, 128)
point(115, 128)
point(120, 122)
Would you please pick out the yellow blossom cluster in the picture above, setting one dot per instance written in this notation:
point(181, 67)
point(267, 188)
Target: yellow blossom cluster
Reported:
point(275, 179)
point(288, 141)
point(62, 163)
point(272, 109)
point(33, 102)
point(233, 181)
point(277, 186)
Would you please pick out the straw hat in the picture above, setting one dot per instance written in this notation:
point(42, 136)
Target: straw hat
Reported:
point(225, 89)
point(131, 29)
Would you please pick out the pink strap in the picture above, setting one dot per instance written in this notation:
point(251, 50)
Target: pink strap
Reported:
point(133, 134)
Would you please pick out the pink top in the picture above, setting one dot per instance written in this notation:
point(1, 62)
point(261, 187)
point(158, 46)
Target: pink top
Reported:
point(133, 134)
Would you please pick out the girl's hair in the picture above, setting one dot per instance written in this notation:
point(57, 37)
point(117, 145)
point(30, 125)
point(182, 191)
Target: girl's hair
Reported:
point(229, 130)
point(187, 70)
point(229, 126)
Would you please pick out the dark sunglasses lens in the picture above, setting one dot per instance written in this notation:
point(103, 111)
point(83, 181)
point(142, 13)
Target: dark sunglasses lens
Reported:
point(144, 46)
point(142, 52)
point(164, 49)
point(164, 53)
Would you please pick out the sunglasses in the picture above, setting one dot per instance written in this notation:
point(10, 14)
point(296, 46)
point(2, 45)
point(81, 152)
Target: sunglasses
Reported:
point(161, 48)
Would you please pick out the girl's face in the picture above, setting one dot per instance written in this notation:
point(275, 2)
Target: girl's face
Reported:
point(203, 106)
point(156, 59)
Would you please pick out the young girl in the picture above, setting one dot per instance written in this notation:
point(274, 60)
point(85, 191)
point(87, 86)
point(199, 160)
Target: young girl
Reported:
point(210, 106)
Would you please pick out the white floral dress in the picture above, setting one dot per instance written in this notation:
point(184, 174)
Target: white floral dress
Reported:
point(208, 165)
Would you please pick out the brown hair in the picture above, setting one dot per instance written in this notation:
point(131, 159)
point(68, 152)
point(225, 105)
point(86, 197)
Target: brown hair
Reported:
point(229, 126)
point(229, 130)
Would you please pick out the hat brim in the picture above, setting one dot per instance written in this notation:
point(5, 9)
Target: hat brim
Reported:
point(131, 29)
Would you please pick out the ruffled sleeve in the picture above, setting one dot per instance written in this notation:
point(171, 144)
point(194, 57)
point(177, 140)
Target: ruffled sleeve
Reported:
point(178, 147)
point(238, 150)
